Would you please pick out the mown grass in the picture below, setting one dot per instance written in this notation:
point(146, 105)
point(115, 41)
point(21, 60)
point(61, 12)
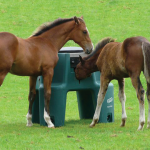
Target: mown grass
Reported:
point(117, 19)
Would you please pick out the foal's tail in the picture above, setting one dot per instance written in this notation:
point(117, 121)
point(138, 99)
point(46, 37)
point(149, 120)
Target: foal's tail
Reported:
point(146, 54)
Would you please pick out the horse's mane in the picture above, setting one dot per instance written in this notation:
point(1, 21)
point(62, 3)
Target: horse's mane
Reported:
point(48, 25)
point(99, 46)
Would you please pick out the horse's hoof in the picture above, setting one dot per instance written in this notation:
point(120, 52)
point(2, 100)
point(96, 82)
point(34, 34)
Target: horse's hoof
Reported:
point(140, 128)
point(51, 126)
point(123, 122)
point(93, 123)
point(122, 125)
point(29, 124)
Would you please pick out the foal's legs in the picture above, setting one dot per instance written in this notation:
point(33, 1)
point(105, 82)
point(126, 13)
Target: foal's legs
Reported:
point(148, 98)
point(47, 76)
point(31, 98)
point(141, 96)
point(101, 95)
point(122, 99)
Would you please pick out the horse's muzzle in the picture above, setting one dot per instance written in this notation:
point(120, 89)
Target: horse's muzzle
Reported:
point(88, 51)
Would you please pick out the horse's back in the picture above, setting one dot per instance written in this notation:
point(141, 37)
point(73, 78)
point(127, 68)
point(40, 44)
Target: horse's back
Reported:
point(8, 50)
point(133, 43)
point(7, 37)
point(111, 61)
point(8, 43)
point(109, 52)
point(133, 52)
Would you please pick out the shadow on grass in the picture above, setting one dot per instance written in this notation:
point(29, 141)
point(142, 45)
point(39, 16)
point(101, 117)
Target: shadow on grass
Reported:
point(17, 127)
point(6, 128)
point(82, 122)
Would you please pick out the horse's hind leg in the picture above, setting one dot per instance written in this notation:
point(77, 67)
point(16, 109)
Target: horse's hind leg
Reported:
point(122, 99)
point(148, 98)
point(31, 98)
point(101, 95)
point(141, 96)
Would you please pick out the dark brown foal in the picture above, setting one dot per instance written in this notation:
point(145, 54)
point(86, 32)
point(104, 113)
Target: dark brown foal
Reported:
point(118, 61)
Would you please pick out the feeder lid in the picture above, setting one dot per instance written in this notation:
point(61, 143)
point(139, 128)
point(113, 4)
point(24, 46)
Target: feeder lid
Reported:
point(71, 50)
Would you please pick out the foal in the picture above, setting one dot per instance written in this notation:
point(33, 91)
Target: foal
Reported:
point(38, 55)
point(118, 61)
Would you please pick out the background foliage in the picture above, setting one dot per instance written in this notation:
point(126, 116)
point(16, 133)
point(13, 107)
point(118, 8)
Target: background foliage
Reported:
point(117, 19)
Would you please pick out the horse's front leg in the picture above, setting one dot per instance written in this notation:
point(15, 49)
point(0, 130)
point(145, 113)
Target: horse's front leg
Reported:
point(101, 95)
point(122, 99)
point(31, 98)
point(47, 76)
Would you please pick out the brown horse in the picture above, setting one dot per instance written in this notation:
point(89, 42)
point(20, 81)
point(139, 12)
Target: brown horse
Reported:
point(38, 55)
point(118, 61)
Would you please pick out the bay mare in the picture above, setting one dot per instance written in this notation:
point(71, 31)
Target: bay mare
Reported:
point(38, 55)
point(118, 61)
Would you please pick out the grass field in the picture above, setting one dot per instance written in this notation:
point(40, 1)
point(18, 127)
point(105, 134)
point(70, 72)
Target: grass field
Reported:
point(117, 19)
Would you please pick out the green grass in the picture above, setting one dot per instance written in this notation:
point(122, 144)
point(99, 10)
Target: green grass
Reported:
point(117, 19)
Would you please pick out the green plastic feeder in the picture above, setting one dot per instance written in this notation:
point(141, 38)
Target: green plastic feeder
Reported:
point(86, 91)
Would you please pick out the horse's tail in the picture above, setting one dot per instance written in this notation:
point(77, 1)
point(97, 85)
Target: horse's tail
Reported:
point(146, 54)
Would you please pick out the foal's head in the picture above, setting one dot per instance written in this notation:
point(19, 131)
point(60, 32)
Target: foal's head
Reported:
point(87, 65)
point(82, 70)
point(80, 35)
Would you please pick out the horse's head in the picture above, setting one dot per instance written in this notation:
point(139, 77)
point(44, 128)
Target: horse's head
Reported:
point(81, 70)
point(80, 35)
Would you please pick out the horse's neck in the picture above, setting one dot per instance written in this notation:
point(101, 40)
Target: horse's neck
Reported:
point(59, 35)
point(91, 63)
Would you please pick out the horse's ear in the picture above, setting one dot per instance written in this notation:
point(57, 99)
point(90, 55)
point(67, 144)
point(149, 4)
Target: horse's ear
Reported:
point(76, 20)
point(82, 17)
point(81, 60)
